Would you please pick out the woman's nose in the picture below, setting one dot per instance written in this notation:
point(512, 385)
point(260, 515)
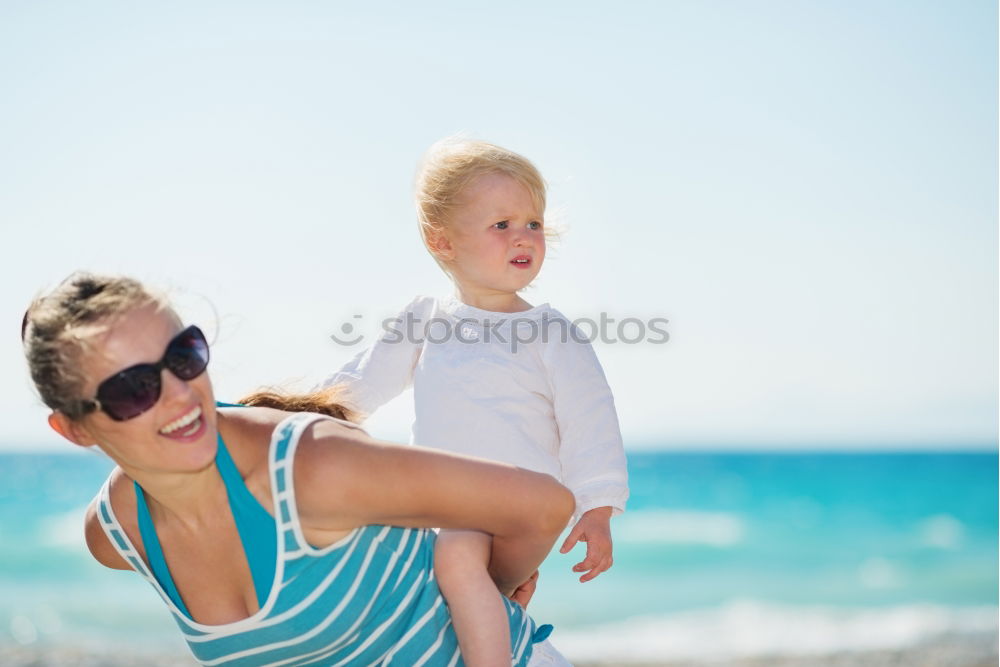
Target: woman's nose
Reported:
point(174, 389)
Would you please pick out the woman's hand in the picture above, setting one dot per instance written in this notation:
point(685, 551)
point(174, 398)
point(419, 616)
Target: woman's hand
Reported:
point(523, 593)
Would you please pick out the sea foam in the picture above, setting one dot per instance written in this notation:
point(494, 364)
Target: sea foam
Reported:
point(64, 530)
point(746, 628)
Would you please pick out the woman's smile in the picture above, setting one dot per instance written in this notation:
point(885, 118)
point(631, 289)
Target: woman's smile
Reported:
point(186, 428)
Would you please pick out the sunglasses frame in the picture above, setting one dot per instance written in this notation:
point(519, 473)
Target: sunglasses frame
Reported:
point(91, 405)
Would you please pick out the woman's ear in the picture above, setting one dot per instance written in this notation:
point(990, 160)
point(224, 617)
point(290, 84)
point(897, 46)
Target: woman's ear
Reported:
point(440, 245)
point(73, 431)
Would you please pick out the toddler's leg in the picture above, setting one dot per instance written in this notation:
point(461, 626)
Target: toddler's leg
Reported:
point(461, 559)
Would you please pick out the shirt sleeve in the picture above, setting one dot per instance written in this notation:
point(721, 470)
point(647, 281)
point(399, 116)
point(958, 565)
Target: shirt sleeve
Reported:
point(384, 370)
point(591, 453)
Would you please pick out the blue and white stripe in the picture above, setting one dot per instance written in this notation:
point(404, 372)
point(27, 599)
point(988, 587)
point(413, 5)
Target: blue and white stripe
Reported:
point(368, 599)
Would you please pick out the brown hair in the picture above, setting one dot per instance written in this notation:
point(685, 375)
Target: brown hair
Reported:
point(57, 326)
point(450, 165)
point(325, 402)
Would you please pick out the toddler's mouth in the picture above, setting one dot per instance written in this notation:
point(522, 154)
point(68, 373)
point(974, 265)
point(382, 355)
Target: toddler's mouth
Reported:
point(521, 261)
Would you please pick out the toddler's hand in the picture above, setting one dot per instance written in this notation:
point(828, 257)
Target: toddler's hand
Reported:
point(594, 528)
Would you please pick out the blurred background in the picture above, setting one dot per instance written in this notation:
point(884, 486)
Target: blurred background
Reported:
point(807, 191)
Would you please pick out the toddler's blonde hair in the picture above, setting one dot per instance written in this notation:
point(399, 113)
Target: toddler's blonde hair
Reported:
point(451, 165)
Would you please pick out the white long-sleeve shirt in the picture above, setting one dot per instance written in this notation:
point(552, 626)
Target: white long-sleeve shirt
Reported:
point(493, 385)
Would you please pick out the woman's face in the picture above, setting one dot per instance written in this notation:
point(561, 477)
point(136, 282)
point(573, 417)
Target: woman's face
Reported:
point(178, 433)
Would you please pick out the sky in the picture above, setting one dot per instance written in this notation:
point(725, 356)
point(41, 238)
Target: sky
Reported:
point(807, 191)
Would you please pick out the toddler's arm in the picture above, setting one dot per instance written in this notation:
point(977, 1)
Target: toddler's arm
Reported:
point(381, 372)
point(590, 448)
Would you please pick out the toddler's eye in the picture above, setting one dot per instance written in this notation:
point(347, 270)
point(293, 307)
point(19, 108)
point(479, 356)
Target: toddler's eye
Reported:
point(502, 224)
point(534, 224)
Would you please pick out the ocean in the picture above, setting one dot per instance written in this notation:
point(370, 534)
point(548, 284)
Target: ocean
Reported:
point(719, 555)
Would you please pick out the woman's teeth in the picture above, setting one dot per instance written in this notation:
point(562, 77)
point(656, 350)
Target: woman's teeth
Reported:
point(190, 419)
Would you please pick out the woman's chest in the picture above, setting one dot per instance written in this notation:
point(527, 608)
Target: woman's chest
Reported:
point(211, 574)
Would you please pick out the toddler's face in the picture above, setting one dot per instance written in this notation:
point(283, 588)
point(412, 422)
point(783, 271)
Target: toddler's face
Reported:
point(496, 236)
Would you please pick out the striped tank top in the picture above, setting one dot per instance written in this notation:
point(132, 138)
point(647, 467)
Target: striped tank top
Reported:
point(368, 599)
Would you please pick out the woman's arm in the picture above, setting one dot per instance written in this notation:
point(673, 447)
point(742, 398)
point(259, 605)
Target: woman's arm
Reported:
point(344, 479)
point(100, 546)
point(98, 541)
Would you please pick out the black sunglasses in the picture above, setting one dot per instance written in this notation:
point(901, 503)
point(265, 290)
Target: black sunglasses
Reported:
point(131, 392)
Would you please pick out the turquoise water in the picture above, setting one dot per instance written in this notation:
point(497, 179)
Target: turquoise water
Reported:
point(903, 544)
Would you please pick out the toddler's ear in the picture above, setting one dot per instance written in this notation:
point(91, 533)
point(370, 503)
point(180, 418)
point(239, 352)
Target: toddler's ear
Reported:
point(440, 246)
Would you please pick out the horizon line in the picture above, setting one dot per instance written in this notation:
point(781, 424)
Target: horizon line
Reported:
point(683, 447)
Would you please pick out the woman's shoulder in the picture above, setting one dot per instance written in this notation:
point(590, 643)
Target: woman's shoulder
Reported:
point(252, 427)
point(121, 498)
point(247, 427)
point(247, 433)
point(326, 454)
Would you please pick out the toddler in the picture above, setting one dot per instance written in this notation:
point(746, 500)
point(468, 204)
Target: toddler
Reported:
point(494, 376)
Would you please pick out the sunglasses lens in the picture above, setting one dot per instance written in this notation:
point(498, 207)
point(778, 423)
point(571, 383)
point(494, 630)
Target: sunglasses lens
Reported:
point(135, 390)
point(187, 354)
point(131, 392)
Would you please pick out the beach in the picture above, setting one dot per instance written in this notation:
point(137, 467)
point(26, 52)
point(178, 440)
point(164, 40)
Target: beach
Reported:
point(956, 651)
point(979, 650)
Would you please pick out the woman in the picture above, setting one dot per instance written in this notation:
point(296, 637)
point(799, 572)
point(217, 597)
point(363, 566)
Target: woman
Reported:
point(273, 538)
